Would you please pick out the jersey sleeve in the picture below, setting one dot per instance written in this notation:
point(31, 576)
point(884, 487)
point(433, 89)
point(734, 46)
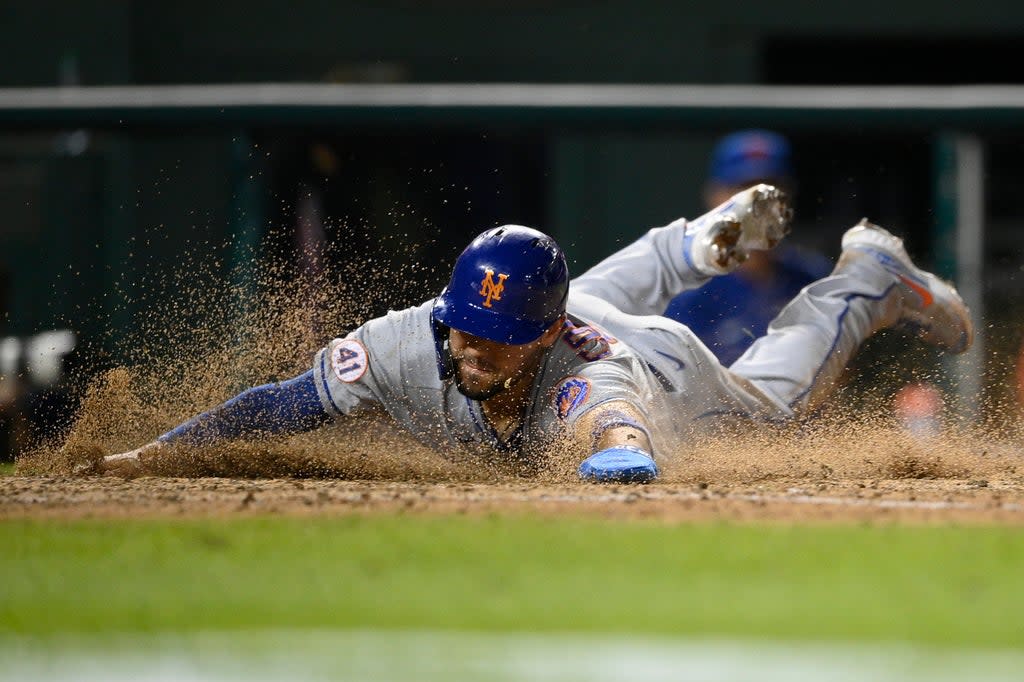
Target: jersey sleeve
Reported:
point(376, 363)
point(597, 384)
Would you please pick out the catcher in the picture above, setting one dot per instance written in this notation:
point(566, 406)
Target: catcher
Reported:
point(512, 355)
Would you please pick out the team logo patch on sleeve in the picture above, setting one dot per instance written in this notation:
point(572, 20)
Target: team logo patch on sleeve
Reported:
point(349, 360)
point(571, 393)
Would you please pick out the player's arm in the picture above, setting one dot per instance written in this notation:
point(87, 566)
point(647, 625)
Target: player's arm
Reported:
point(617, 435)
point(291, 406)
point(287, 407)
point(341, 381)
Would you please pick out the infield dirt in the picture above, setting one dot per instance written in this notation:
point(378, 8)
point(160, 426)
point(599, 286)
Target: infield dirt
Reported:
point(856, 474)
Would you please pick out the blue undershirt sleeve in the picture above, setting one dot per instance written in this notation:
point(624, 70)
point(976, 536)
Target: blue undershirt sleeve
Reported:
point(291, 406)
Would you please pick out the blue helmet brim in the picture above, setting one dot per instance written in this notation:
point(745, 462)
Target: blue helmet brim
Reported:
point(487, 324)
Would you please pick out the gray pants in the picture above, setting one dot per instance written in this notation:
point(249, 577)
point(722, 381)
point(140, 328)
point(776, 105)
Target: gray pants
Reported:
point(787, 372)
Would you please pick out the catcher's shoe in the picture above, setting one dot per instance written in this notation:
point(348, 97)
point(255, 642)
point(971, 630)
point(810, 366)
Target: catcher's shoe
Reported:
point(753, 220)
point(932, 309)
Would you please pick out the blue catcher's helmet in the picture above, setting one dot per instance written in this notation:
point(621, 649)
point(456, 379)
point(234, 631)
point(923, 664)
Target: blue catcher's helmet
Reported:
point(509, 285)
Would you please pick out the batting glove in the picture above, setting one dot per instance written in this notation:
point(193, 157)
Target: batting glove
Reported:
point(619, 464)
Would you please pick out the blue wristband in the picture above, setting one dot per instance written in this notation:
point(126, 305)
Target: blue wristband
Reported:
point(613, 419)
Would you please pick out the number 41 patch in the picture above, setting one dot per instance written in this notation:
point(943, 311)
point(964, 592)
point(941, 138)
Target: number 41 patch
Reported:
point(349, 360)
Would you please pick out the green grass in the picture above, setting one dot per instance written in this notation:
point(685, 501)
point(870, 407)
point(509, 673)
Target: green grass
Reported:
point(6, 468)
point(927, 585)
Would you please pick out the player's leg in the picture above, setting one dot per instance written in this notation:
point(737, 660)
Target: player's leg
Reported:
point(874, 286)
point(699, 393)
point(642, 278)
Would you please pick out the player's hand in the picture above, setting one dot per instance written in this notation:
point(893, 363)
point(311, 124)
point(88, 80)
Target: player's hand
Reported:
point(129, 464)
point(619, 464)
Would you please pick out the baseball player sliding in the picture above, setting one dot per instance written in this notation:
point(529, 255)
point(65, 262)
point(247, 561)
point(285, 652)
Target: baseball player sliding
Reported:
point(512, 356)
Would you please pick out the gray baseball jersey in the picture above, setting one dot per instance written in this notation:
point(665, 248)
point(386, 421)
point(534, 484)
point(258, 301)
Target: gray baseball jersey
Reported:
point(616, 347)
point(399, 362)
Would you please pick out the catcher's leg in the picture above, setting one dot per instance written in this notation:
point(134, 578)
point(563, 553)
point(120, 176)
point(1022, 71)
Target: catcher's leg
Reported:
point(874, 286)
point(642, 278)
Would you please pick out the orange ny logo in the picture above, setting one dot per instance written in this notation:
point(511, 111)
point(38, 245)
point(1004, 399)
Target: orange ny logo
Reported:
point(491, 290)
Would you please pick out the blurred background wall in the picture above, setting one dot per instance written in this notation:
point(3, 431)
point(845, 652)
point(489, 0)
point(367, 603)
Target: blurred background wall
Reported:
point(88, 216)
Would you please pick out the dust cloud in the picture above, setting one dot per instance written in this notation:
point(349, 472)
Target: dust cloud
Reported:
point(194, 351)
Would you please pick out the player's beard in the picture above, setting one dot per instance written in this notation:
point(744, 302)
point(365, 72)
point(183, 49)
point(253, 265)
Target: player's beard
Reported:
point(481, 393)
point(478, 394)
point(498, 385)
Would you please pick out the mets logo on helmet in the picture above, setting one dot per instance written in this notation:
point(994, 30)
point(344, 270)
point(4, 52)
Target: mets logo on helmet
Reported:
point(491, 290)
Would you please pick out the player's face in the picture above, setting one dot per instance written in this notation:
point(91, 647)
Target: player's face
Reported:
point(485, 368)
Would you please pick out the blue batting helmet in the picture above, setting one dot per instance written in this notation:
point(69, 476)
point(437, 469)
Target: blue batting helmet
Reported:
point(509, 285)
